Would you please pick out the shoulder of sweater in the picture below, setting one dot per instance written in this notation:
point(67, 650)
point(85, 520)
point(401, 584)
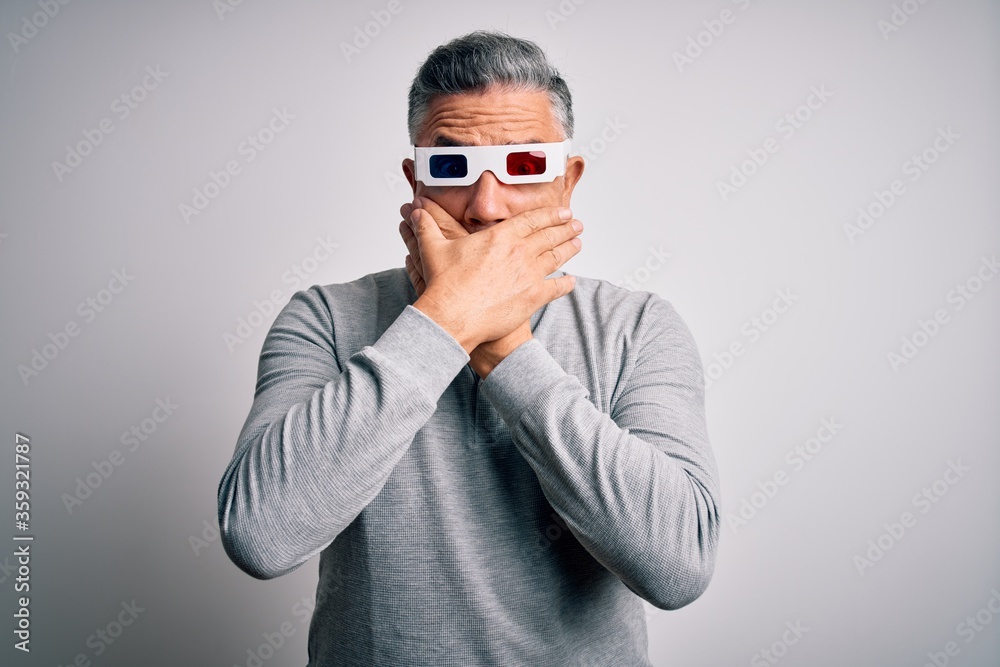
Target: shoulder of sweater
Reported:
point(367, 290)
point(390, 281)
point(611, 300)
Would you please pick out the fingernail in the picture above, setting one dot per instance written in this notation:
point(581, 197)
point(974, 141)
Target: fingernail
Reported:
point(565, 214)
point(416, 202)
point(577, 225)
point(414, 216)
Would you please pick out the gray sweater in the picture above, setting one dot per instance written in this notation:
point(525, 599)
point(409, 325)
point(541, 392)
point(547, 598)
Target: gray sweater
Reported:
point(507, 521)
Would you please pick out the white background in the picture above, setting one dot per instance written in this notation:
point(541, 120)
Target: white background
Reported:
point(333, 173)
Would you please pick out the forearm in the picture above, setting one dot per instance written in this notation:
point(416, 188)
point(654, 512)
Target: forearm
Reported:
point(306, 465)
point(648, 514)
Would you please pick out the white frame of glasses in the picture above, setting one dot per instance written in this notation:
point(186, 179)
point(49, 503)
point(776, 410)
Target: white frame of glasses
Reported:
point(492, 158)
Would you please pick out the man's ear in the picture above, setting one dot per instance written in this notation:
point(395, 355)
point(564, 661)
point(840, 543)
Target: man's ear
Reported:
point(574, 170)
point(408, 172)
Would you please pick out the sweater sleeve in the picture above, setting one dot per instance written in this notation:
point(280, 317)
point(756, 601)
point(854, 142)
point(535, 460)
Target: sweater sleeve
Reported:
point(323, 434)
point(639, 487)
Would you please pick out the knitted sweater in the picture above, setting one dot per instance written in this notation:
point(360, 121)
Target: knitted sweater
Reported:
point(513, 520)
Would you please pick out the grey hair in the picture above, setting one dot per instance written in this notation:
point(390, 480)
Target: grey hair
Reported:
point(481, 59)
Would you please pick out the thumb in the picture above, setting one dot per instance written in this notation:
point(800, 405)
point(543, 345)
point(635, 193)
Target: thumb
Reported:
point(450, 228)
point(424, 227)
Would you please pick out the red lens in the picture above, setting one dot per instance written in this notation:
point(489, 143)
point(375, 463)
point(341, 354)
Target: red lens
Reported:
point(526, 163)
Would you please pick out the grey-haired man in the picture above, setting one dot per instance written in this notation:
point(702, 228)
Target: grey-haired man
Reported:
point(494, 459)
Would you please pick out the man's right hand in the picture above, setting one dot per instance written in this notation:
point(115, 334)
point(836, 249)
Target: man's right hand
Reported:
point(483, 286)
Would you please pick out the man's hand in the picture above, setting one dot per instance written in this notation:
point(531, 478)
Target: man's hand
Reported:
point(540, 232)
point(487, 354)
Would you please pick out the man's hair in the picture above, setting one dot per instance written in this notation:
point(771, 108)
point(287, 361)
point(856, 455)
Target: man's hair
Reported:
point(482, 59)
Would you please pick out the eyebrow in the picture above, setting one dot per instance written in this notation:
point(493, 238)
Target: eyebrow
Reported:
point(447, 142)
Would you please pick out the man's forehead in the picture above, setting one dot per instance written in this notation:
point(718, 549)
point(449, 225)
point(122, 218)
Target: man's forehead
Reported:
point(491, 118)
point(440, 139)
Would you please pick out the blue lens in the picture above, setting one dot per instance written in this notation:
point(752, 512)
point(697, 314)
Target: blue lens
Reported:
point(449, 166)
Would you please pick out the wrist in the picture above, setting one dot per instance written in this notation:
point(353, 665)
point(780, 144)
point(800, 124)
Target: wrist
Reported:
point(454, 326)
point(487, 356)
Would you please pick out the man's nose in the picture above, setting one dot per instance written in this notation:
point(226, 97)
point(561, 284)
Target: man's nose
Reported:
point(486, 205)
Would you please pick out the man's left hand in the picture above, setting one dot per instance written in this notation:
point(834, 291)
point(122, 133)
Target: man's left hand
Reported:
point(485, 357)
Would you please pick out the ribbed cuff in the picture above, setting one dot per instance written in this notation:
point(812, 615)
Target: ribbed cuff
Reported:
point(515, 384)
point(420, 349)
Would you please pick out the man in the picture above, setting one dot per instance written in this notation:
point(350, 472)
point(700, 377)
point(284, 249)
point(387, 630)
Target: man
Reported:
point(494, 459)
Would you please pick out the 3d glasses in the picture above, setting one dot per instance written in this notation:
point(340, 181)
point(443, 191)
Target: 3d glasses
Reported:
point(511, 164)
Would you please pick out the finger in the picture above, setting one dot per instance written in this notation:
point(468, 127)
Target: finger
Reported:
point(546, 239)
point(407, 235)
point(419, 285)
point(405, 210)
point(531, 222)
point(553, 288)
point(411, 245)
point(555, 236)
point(424, 227)
point(551, 260)
point(449, 225)
point(408, 264)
